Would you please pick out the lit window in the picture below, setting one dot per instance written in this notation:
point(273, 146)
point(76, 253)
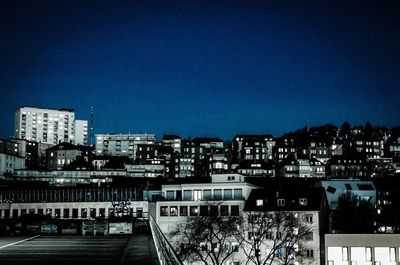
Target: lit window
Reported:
point(197, 195)
point(259, 203)
point(345, 254)
point(303, 201)
point(281, 202)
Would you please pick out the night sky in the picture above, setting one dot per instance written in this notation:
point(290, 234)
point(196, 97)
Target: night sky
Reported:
point(202, 68)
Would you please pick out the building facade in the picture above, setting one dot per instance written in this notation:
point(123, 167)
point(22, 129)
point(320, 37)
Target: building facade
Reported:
point(122, 144)
point(45, 125)
point(362, 249)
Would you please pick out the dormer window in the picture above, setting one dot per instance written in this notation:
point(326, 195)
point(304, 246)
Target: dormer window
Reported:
point(259, 202)
point(303, 201)
point(281, 202)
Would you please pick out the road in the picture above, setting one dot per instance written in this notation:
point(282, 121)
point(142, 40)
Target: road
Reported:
point(60, 250)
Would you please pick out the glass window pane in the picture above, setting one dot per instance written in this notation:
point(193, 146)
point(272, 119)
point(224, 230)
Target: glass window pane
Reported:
point(84, 213)
point(163, 210)
point(203, 210)
point(235, 210)
point(197, 195)
point(187, 195)
point(237, 194)
point(224, 210)
point(227, 194)
point(183, 210)
point(207, 195)
point(170, 195)
point(217, 194)
point(194, 211)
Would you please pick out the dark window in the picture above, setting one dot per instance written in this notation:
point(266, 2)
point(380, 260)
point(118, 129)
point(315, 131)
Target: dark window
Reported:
point(75, 213)
point(40, 211)
point(139, 212)
point(66, 213)
point(15, 213)
point(348, 186)
point(331, 189)
point(365, 187)
point(214, 210)
point(183, 210)
point(224, 210)
point(235, 210)
point(203, 210)
point(163, 210)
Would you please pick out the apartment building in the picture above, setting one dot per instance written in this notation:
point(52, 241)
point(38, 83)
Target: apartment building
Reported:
point(122, 144)
point(49, 126)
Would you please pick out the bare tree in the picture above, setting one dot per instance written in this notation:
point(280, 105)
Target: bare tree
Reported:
point(210, 239)
point(274, 237)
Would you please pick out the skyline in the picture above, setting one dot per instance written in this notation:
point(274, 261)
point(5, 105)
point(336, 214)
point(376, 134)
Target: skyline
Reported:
point(202, 68)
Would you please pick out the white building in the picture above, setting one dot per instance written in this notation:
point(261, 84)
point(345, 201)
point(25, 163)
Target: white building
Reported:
point(121, 144)
point(362, 249)
point(68, 177)
point(70, 210)
point(9, 163)
point(45, 125)
point(81, 132)
point(307, 206)
point(10, 157)
point(228, 191)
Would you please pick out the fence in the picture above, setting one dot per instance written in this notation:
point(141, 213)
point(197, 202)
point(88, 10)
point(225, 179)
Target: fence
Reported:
point(165, 252)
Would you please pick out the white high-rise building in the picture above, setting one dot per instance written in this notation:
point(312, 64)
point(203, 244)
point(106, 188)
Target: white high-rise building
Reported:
point(81, 132)
point(44, 125)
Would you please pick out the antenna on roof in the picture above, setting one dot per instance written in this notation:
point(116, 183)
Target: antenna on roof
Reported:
point(91, 137)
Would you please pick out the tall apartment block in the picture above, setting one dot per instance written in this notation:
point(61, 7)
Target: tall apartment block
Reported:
point(49, 126)
point(81, 132)
point(122, 144)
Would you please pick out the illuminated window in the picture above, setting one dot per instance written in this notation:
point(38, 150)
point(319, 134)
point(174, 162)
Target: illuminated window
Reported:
point(392, 254)
point(281, 202)
point(197, 195)
point(173, 211)
point(368, 254)
point(194, 211)
point(345, 256)
point(259, 202)
point(303, 201)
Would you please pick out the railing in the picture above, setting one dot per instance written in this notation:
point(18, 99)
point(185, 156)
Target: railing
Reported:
point(165, 252)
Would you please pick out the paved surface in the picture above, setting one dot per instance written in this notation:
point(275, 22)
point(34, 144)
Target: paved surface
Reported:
point(60, 250)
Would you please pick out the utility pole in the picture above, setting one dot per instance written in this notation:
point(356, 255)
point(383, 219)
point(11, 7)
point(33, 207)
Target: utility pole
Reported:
point(91, 140)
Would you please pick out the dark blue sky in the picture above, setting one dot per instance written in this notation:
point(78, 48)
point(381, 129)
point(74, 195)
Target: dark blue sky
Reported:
point(203, 68)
